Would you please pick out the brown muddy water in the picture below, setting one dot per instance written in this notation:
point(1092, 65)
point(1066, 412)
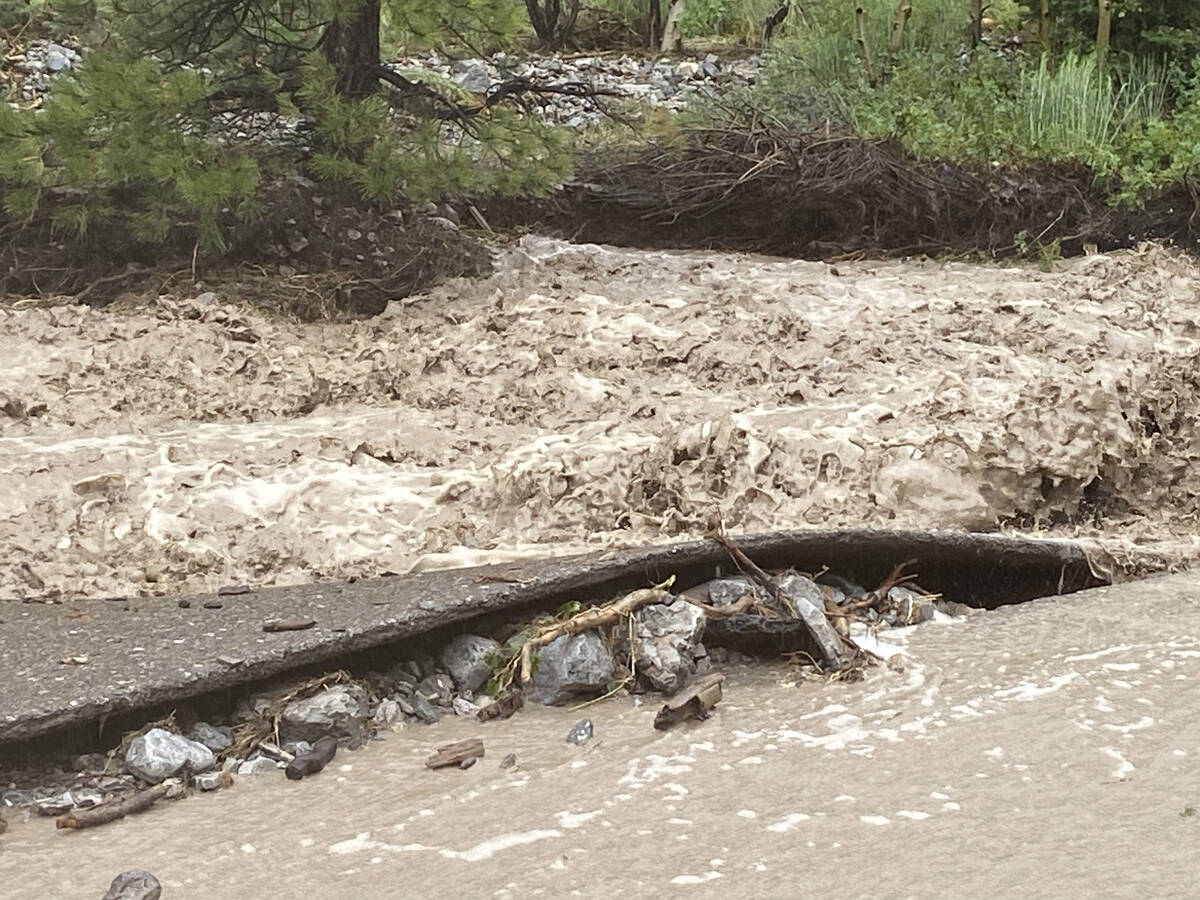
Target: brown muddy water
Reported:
point(1041, 750)
point(585, 397)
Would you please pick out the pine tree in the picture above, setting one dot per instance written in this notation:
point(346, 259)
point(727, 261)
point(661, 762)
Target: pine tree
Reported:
point(148, 138)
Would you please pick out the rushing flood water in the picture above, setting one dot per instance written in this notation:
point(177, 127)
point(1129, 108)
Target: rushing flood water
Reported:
point(583, 397)
point(1041, 750)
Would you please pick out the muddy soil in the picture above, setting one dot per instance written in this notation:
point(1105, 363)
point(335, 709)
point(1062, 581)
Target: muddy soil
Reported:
point(584, 396)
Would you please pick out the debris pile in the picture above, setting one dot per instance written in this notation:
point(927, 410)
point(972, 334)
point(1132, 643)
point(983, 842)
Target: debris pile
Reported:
point(653, 640)
point(661, 82)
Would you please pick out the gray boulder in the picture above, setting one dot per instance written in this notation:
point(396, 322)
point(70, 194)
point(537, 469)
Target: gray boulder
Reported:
point(466, 659)
point(211, 736)
point(437, 689)
point(339, 711)
point(258, 765)
point(570, 666)
point(667, 637)
point(809, 600)
point(471, 75)
point(134, 884)
point(727, 591)
point(159, 754)
point(388, 714)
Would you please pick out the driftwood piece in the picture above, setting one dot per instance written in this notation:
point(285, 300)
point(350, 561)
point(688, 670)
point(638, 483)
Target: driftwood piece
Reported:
point(594, 617)
point(506, 704)
point(751, 568)
point(314, 760)
point(288, 624)
point(113, 810)
point(693, 702)
point(461, 753)
point(743, 604)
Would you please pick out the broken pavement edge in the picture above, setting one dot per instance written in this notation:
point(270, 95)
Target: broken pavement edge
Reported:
point(148, 651)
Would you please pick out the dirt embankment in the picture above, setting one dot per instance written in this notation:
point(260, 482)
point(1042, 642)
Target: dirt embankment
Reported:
point(750, 187)
point(584, 396)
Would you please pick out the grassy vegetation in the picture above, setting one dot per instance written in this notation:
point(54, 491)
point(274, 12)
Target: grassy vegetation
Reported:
point(1132, 120)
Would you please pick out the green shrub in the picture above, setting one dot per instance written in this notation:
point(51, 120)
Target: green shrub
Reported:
point(118, 149)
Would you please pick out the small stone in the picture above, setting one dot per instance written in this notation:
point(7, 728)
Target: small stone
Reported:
point(438, 689)
point(211, 781)
point(388, 714)
point(580, 733)
point(465, 708)
point(134, 884)
point(297, 748)
point(727, 591)
point(258, 765)
point(213, 604)
point(208, 298)
point(159, 754)
point(910, 607)
point(424, 710)
point(466, 658)
point(509, 761)
point(68, 800)
point(58, 57)
point(471, 75)
point(91, 762)
point(212, 737)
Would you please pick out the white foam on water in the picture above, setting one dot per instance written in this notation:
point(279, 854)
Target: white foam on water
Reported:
point(1124, 768)
point(362, 841)
point(640, 774)
point(569, 820)
point(489, 848)
point(696, 879)
point(1140, 725)
point(788, 822)
point(875, 820)
point(915, 814)
point(1027, 690)
point(1120, 648)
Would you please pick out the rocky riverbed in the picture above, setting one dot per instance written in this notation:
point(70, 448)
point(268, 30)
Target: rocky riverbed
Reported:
point(27, 74)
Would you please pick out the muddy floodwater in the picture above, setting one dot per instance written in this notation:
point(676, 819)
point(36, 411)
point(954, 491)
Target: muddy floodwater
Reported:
point(1041, 750)
point(586, 396)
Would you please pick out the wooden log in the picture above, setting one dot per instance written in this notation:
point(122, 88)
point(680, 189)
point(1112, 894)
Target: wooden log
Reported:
point(113, 810)
point(461, 754)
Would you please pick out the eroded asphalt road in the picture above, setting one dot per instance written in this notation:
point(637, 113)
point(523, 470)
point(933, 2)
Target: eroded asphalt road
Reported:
point(1047, 749)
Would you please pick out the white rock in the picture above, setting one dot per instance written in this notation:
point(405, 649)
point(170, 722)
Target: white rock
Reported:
point(159, 754)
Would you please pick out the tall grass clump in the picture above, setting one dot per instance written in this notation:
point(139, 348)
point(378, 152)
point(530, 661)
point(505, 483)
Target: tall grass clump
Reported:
point(1078, 108)
point(942, 99)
